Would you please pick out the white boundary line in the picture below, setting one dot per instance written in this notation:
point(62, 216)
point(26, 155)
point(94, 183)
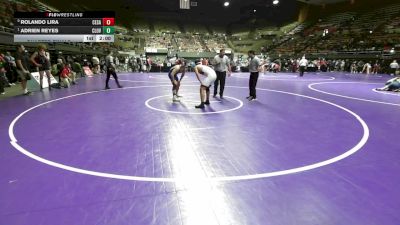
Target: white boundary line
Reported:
point(156, 82)
point(298, 78)
point(357, 147)
point(386, 92)
point(310, 86)
point(192, 113)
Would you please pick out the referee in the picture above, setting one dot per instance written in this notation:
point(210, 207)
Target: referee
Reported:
point(303, 65)
point(111, 70)
point(254, 65)
point(221, 64)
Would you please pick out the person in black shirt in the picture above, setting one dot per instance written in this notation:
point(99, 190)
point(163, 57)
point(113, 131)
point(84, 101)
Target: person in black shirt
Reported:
point(111, 70)
point(22, 62)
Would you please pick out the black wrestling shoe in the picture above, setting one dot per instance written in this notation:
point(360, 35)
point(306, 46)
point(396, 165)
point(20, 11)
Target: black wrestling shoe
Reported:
point(207, 102)
point(252, 98)
point(201, 106)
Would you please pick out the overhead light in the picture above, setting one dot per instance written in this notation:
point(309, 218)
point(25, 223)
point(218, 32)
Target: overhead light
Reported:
point(254, 10)
point(275, 2)
point(370, 31)
point(226, 4)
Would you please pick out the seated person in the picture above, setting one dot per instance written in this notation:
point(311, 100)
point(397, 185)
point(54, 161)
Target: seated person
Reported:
point(67, 76)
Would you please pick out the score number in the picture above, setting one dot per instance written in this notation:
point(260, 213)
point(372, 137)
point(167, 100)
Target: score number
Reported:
point(108, 21)
point(108, 30)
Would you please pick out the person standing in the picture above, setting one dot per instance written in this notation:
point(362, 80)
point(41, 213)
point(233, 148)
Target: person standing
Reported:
point(11, 68)
point(175, 80)
point(254, 66)
point(394, 66)
point(41, 59)
point(148, 64)
point(96, 64)
point(3, 78)
point(353, 67)
point(22, 62)
point(221, 65)
point(111, 70)
point(303, 65)
point(376, 67)
point(206, 75)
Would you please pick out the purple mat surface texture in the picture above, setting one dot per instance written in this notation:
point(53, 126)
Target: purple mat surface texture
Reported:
point(322, 149)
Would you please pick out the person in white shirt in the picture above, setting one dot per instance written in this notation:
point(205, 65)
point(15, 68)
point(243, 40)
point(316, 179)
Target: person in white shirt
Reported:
point(394, 66)
point(342, 65)
point(221, 65)
point(367, 68)
point(96, 64)
point(303, 65)
point(206, 75)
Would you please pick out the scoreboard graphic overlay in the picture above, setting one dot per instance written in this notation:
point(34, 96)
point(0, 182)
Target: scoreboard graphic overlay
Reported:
point(64, 26)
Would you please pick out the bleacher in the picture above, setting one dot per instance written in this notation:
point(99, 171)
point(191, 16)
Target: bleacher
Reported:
point(160, 41)
point(140, 27)
point(196, 29)
point(371, 20)
point(189, 43)
point(165, 27)
point(370, 31)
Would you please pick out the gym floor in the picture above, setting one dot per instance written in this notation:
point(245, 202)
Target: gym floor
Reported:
point(321, 149)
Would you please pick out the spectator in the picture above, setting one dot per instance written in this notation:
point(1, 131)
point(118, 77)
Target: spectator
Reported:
point(11, 68)
point(367, 68)
point(77, 68)
point(394, 66)
point(96, 64)
point(342, 66)
point(148, 64)
point(376, 67)
point(3, 78)
point(353, 67)
point(67, 76)
point(22, 62)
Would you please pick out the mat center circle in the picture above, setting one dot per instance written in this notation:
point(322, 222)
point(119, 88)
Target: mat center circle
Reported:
point(186, 104)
